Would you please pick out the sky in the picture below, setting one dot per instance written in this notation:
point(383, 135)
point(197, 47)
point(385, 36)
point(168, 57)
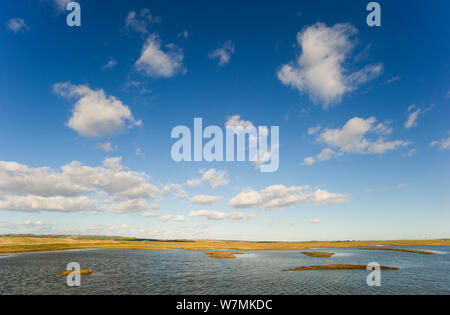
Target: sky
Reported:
point(86, 116)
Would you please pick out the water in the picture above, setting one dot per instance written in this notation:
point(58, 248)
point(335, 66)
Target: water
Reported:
point(193, 272)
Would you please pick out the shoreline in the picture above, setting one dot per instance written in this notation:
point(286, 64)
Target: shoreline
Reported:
point(12, 245)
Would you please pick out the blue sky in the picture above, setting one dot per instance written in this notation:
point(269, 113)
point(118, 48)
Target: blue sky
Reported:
point(86, 115)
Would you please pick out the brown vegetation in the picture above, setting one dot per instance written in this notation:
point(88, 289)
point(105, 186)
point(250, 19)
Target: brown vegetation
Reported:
point(318, 254)
point(223, 254)
point(402, 250)
point(339, 267)
point(14, 244)
point(83, 272)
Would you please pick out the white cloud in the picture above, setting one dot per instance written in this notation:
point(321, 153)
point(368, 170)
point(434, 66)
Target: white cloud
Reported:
point(107, 146)
point(358, 135)
point(110, 64)
point(138, 22)
point(321, 70)
point(177, 189)
point(315, 221)
point(215, 178)
point(401, 186)
point(414, 115)
point(313, 130)
point(17, 25)
point(173, 218)
point(205, 199)
point(223, 53)
point(280, 196)
point(217, 216)
point(95, 114)
point(237, 124)
point(443, 144)
point(32, 203)
point(194, 182)
point(157, 63)
point(114, 187)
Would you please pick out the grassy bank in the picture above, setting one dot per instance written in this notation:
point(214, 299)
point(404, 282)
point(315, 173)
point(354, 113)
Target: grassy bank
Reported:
point(14, 244)
point(423, 252)
point(223, 254)
point(318, 254)
point(339, 267)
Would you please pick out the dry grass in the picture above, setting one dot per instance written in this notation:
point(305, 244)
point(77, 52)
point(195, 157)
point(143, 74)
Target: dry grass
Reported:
point(318, 254)
point(12, 244)
point(340, 267)
point(424, 252)
point(83, 272)
point(223, 254)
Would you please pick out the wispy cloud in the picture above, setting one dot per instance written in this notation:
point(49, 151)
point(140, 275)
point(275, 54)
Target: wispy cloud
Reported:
point(223, 53)
point(17, 25)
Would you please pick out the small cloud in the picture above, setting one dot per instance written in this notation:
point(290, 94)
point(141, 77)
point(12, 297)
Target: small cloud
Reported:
point(442, 145)
point(184, 34)
point(315, 221)
point(139, 153)
point(157, 62)
point(139, 21)
point(107, 146)
point(17, 25)
point(414, 115)
point(401, 187)
point(393, 79)
point(173, 218)
point(223, 53)
point(110, 64)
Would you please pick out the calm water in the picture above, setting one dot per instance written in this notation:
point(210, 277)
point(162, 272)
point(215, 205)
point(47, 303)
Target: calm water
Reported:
point(192, 272)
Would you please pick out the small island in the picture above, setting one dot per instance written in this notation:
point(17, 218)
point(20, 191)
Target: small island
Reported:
point(339, 267)
point(83, 272)
point(223, 254)
point(318, 254)
point(423, 252)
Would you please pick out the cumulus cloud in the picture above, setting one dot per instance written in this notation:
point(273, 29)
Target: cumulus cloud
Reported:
point(322, 69)
point(205, 199)
point(111, 187)
point(17, 25)
point(95, 114)
point(414, 114)
point(237, 124)
point(358, 135)
point(280, 196)
point(315, 221)
point(214, 178)
point(223, 53)
point(139, 21)
point(157, 63)
point(218, 216)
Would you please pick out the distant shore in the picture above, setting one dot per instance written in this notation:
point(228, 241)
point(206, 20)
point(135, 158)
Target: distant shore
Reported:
point(23, 244)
